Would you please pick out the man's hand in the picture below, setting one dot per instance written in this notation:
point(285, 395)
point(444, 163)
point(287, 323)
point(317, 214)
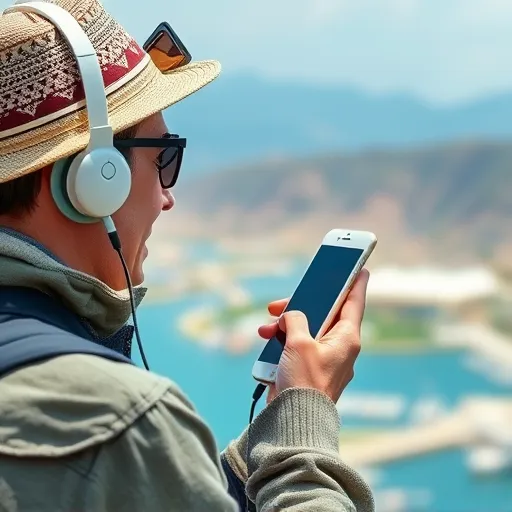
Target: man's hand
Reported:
point(326, 364)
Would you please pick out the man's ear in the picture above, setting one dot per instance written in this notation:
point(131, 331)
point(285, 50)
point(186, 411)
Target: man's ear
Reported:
point(46, 172)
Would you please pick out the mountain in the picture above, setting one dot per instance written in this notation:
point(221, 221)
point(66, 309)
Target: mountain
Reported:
point(450, 202)
point(241, 118)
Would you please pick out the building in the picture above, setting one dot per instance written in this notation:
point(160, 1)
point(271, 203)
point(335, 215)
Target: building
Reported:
point(429, 292)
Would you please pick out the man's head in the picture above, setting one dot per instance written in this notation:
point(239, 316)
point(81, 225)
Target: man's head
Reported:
point(28, 206)
point(41, 122)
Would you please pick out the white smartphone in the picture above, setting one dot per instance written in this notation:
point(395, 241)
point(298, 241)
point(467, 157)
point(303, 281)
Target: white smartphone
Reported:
point(321, 292)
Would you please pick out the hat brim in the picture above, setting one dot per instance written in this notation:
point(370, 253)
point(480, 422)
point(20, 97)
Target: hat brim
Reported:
point(148, 93)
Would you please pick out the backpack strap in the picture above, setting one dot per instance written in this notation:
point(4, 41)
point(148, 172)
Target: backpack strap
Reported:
point(35, 326)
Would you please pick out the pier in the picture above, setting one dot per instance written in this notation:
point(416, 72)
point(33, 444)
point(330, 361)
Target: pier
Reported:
point(476, 421)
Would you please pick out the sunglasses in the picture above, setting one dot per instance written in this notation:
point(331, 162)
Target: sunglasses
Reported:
point(166, 49)
point(169, 159)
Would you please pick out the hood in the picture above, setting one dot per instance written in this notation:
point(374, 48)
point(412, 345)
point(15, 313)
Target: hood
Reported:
point(24, 262)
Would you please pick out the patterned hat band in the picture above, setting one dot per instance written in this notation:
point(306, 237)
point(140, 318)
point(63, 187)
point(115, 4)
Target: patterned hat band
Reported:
point(39, 77)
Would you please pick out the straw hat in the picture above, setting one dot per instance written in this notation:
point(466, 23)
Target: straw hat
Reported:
point(42, 118)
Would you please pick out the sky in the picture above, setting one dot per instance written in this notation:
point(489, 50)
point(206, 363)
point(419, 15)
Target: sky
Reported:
point(442, 51)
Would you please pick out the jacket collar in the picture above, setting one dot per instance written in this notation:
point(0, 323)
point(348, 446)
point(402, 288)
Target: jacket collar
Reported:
point(105, 312)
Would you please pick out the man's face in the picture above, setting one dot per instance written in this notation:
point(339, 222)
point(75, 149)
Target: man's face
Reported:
point(146, 201)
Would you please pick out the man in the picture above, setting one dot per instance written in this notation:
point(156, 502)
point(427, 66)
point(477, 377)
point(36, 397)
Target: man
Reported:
point(80, 432)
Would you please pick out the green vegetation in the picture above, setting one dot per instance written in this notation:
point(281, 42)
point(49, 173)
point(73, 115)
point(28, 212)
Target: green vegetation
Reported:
point(358, 434)
point(398, 328)
point(404, 329)
point(232, 314)
point(501, 319)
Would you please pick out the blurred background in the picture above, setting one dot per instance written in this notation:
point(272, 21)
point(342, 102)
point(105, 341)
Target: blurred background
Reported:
point(393, 116)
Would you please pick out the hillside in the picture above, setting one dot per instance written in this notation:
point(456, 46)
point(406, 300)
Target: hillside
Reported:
point(244, 118)
point(451, 202)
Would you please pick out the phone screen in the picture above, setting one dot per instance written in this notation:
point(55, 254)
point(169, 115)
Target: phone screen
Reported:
point(317, 292)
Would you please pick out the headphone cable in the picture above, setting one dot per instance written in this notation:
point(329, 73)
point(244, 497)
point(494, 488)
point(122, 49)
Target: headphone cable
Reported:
point(116, 244)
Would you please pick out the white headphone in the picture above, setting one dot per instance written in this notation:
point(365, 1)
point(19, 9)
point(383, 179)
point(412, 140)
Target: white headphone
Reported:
point(97, 182)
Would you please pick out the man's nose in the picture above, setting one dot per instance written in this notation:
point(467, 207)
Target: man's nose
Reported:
point(168, 200)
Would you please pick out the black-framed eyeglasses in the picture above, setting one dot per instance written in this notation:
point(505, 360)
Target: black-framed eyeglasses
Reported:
point(169, 159)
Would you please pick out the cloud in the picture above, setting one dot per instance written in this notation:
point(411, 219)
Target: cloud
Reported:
point(320, 12)
point(485, 12)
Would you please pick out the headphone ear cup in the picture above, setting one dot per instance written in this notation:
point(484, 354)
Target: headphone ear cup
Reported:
point(98, 182)
point(58, 185)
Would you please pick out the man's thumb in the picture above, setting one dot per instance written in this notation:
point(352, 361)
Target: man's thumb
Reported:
point(295, 325)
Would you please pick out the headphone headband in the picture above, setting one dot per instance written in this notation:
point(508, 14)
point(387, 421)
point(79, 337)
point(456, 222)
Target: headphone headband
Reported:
point(98, 179)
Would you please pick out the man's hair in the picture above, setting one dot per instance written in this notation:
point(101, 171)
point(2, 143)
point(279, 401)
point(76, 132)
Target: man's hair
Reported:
point(19, 197)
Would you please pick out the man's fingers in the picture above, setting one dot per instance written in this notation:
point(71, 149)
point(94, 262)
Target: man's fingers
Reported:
point(276, 308)
point(353, 308)
point(268, 330)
